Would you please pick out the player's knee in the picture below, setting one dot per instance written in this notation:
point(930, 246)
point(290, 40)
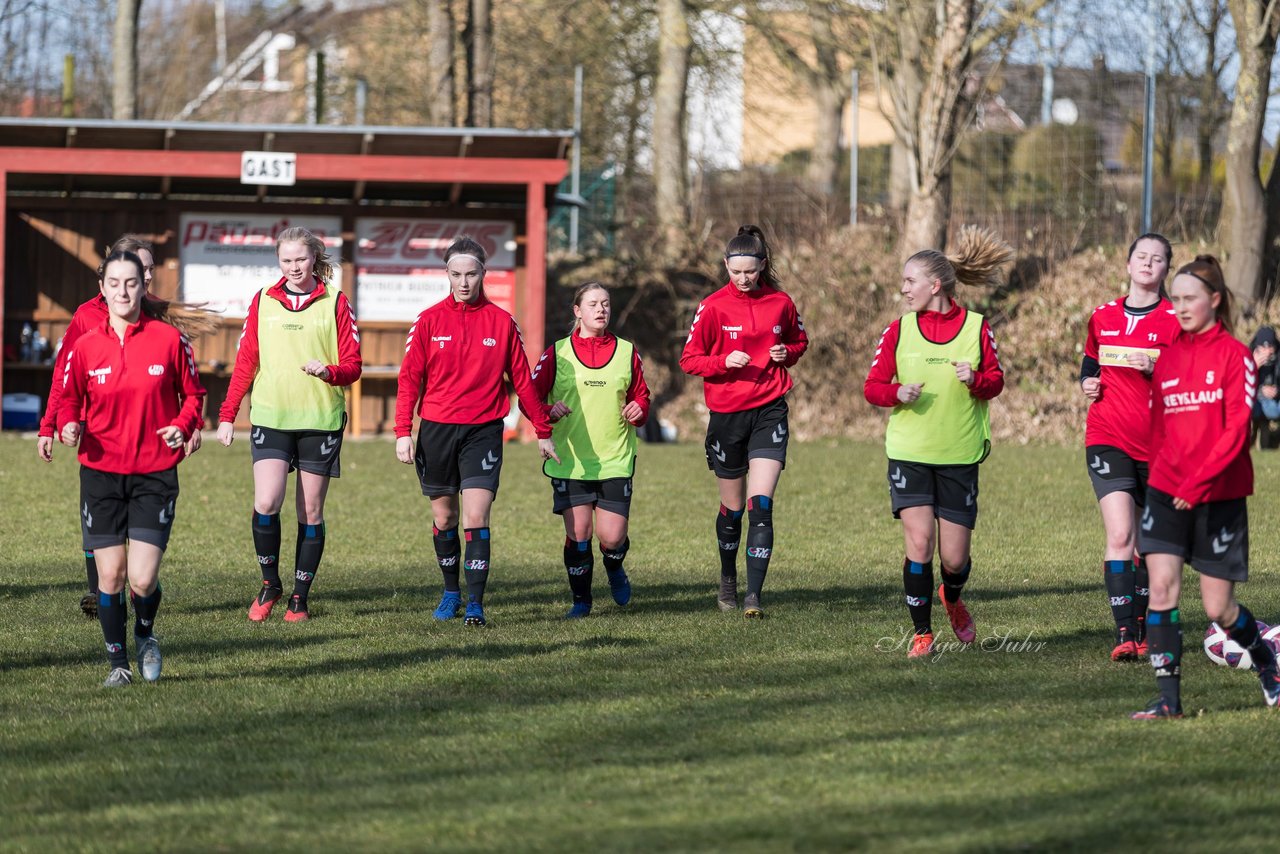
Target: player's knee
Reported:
point(760, 511)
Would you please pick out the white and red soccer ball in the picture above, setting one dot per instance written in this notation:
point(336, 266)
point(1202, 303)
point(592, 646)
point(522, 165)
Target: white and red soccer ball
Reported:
point(1224, 651)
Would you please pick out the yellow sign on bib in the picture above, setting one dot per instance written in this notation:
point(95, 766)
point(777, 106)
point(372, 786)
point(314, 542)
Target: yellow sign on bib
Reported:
point(1110, 354)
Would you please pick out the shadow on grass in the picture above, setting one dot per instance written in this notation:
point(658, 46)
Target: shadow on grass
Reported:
point(24, 590)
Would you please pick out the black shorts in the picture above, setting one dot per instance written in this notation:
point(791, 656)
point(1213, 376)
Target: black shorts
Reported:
point(314, 451)
point(119, 507)
point(1112, 470)
point(952, 491)
point(1213, 537)
point(454, 457)
point(736, 438)
point(613, 494)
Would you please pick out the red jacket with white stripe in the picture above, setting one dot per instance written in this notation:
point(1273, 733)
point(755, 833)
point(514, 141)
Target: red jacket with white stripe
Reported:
point(454, 362)
point(350, 364)
point(1202, 395)
point(88, 314)
point(127, 391)
point(751, 321)
point(881, 386)
point(594, 353)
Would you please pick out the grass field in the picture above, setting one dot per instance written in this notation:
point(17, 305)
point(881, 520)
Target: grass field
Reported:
point(664, 726)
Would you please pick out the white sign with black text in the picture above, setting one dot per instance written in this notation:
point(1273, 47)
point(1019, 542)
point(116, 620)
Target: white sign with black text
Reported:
point(277, 168)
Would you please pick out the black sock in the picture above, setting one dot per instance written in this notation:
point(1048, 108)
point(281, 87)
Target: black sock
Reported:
point(91, 571)
point(1164, 637)
point(111, 616)
point(917, 582)
point(144, 613)
point(578, 562)
point(1244, 631)
point(728, 535)
point(266, 542)
point(448, 551)
point(953, 582)
point(477, 563)
point(1119, 578)
point(759, 541)
point(613, 558)
point(1141, 595)
point(310, 550)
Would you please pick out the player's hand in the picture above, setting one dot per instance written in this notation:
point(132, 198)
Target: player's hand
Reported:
point(633, 413)
point(316, 368)
point(558, 411)
point(404, 449)
point(778, 353)
point(44, 448)
point(226, 433)
point(964, 372)
point(193, 444)
point(909, 392)
point(1092, 388)
point(737, 359)
point(1142, 362)
point(548, 449)
point(71, 434)
point(1181, 504)
point(1269, 392)
point(172, 437)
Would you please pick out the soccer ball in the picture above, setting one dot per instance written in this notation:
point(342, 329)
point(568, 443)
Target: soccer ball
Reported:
point(1272, 637)
point(1224, 651)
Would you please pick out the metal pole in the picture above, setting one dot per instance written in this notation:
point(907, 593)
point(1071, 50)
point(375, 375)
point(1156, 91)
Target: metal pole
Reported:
point(69, 86)
point(220, 25)
point(853, 149)
point(1149, 120)
point(362, 99)
point(575, 174)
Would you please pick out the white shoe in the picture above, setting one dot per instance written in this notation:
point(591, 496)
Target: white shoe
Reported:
point(149, 662)
point(118, 678)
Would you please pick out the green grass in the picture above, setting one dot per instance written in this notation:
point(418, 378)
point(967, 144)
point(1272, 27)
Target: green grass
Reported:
point(665, 726)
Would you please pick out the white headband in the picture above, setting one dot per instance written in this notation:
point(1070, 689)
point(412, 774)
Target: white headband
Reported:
point(465, 255)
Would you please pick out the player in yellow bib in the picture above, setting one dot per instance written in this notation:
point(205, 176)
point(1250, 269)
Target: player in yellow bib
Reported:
point(595, 383)
point(937, 367)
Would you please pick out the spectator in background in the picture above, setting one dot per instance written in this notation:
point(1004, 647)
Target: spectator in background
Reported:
point(1266, 406)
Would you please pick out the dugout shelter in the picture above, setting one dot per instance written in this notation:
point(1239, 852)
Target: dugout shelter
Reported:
point(387, 201)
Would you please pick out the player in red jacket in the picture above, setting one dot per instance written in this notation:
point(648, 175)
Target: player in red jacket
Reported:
point(455, 360)
point(936, 368)
point(1124, 340)
point(742, 340)
point(1201, 475)
point(189, 320)
point(133, 380)
point(597, 404)
point(299, 349)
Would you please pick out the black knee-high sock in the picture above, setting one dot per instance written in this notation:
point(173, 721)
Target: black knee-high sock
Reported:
point(476, 563)
point(448, 553)
point(759, 541)
point(144, 613)
point(613, 558)
point(1244, 631)
point(91, 571)
point(1164, 639)
point(579, 562)
point(111, 616)
point(266, 542)
point(310, 550)
point(953, 582)
point(728, 535)
point(917, 583)
point(1141, 594)
point(1119, 577)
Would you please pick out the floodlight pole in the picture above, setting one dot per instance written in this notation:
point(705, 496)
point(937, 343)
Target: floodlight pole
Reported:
point(853, 148)
point(575, 173)
point(1149, 120)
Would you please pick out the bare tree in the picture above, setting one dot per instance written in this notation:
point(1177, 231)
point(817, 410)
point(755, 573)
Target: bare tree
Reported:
point(1243, 226)
point(124, 60)
point(670, 148)
point(1208, 17)
point(441, 107)
point(478, 38)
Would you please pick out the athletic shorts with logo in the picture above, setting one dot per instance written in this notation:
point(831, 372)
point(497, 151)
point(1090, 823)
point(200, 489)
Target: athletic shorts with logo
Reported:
point(736, 438)
point(454, 457)
point(1213, 537)
point(613, 494)
point(952, 491)
point(313, 451)
point(1112, 470)
point(134, 507)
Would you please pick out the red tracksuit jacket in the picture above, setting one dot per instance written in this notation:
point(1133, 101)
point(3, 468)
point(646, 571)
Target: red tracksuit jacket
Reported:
point(454, 362)
point(1201, 400)
point(594, 353)
point(751, 321)
point(87, 315)
point(881, 389)
point(128, 390)
point(344, 373)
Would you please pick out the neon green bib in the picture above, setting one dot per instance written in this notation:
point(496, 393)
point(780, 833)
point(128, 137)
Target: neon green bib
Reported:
point(594, 441)
point(285, 398)
point(946, 425)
